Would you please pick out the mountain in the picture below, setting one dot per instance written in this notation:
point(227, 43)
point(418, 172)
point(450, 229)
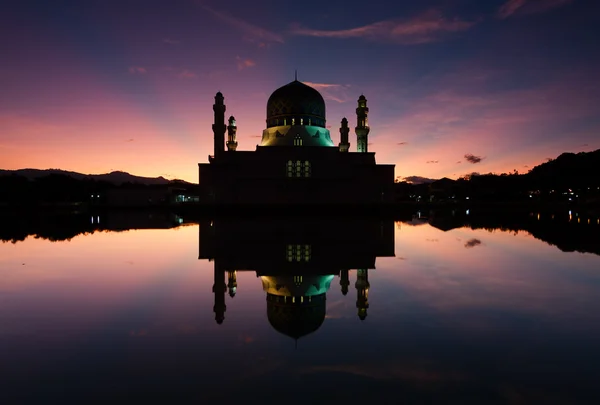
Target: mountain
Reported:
point(569, 170)
point(115, 177)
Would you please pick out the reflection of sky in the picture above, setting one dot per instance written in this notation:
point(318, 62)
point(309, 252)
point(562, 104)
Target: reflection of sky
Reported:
point(137, 306)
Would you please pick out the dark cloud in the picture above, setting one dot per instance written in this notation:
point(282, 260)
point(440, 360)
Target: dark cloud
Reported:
point(469, 157)
point(460, 161)
point(405, 143)
point(432, 161)
point(526, 166)
point(130, 140)
point(418, 180)
point(472, 243)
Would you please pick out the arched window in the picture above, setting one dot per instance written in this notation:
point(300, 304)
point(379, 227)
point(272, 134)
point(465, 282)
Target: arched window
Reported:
point(297, 140)
point(307, 169)
point(298, 168)
point(293, 121)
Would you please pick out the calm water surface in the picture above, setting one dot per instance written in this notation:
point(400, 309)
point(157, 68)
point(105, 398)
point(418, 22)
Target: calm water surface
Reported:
point(444, 314)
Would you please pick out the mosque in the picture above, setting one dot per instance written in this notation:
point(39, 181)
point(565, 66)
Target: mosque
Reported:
point(297, 161)
point(296, 259)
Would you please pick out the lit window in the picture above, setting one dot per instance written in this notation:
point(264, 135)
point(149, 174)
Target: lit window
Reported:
point(293, 121)
point(301, 121)
point(309, 120)
point(290, 168)
point(307, 169)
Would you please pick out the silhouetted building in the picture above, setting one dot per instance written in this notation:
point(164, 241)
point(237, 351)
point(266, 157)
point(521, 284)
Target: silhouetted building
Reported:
point(296, 162)
point(296, 260)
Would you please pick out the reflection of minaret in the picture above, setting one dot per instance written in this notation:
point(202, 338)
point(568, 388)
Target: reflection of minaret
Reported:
point(231, 135)
point(344, 281)
point(362, 291)
point(219, 288)
point(362, 125)
point(232, 283)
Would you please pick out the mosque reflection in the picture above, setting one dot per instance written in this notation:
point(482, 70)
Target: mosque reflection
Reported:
point(297, 259)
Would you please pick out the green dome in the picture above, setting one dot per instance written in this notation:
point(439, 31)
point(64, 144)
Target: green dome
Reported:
point(295, 101)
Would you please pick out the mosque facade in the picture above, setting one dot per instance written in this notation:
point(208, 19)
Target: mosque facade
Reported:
point(297, 160)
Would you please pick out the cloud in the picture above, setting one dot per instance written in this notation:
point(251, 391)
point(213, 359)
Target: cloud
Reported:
point(432, 161)
point(137, 70)
point(428, 27)
point(244, 63)
point(522, 7)
point(460, 161)
point(251, 32)
point(171, 41)
point(418, 180)
point(469, 157)
point(187, 74)
point(472, 243)
point(402, 143)
point(130, 140)
point(331, 91)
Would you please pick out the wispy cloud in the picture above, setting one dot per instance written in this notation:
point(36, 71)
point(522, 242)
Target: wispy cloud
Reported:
point(432, 161)
point(171, 41)
point(401, 143)
point(469, 157)
point(243, 63)
point(187, 74)
point(250, 31)
point(130, 140)
point(418, 179)
point(428, 27)
point(330, 91)
point(512, 7)
point(137, 70)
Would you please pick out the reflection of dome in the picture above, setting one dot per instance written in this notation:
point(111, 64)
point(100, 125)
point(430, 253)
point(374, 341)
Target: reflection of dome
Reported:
point(298, 101)
point(296, 304)
point(295, 319)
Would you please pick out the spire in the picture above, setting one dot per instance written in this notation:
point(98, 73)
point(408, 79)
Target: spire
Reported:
point(219, 126)
point(296, 75)
point(231, 134)
point(362, 125)
point(344, 130)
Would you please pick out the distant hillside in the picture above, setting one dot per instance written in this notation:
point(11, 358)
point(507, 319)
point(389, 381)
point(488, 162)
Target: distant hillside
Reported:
point(570, 170)
point(116, 177)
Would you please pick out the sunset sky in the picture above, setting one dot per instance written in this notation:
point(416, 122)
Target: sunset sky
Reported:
point(99, 85)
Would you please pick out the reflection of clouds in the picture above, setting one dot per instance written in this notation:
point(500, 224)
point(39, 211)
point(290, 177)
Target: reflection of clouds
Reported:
point(515, 278)
point(472, 243)
point(416, 373)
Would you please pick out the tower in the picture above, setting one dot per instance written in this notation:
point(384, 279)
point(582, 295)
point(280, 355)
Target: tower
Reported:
point(231, 134)
point(232, 283)
point(344, 130)
point(362, 125)
point(362, 292)
point(219, 289)
point(219, 127)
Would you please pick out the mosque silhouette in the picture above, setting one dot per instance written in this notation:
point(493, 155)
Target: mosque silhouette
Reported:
point(297, 161)
point(296, 259)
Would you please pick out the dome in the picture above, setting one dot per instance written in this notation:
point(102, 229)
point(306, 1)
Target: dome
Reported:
point(295, 319)
point(296, 101)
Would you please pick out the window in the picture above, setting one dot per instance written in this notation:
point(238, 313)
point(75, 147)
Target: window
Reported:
point(298, 169)
point(297, 140)
point(293, 121)
point(298, 253)
point(309, 120)
point(301, 121)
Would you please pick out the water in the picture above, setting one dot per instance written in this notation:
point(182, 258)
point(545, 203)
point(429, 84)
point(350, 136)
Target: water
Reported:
point(506, 313)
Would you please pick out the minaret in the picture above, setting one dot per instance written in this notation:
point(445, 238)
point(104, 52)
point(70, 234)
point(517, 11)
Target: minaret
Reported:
point(219, 289)
point(344, 130)
point(219, 127)
point(232, 283)
point(362, 125)
point(362, 291)
point(344, 281)
point(231, 134)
